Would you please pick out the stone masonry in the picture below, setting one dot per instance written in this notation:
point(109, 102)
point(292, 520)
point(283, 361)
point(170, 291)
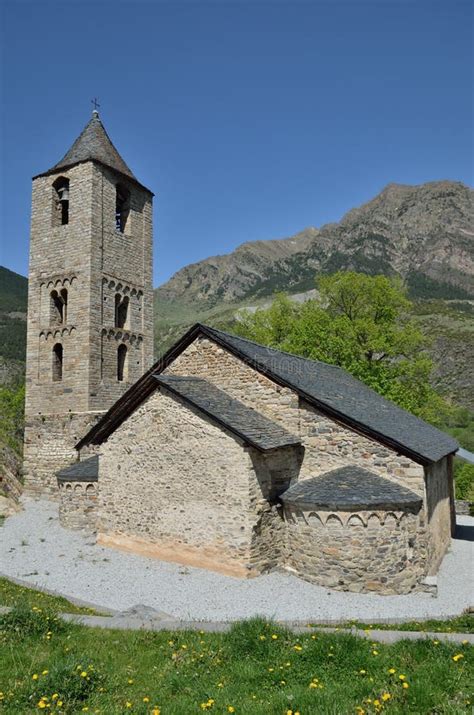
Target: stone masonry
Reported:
point(176, 486)
point(83, 264)
point(327, 443)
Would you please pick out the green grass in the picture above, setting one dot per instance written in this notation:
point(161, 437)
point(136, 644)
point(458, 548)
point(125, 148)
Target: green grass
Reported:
point(460, 624)
point(11, 594)
point(257, 668)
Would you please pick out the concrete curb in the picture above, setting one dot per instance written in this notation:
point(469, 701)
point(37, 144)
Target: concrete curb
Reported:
point(124, 622)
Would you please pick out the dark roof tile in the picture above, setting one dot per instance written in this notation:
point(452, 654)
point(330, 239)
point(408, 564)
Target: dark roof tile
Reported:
point(350, 488)
point(243, 421)
point(86, 471)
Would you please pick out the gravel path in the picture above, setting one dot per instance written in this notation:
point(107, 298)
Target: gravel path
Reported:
point(37, 550)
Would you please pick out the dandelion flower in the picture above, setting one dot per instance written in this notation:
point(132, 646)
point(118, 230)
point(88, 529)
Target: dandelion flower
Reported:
point(386, 696)
point(231, 709)
point(457, 657)
point(405, 685)
point(402, 677)
point(146, 700)
point(392, 671)
point(274, 637)
point(35, 676)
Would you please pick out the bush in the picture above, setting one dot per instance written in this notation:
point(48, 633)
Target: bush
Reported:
point(464, 481)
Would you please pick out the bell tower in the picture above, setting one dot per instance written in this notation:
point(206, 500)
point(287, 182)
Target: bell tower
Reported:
point(90, 299)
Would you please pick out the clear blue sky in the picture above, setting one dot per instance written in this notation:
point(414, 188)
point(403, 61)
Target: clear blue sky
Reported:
point(249, 120)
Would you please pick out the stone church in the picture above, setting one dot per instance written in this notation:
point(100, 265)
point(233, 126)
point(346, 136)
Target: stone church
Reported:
point(224, 454)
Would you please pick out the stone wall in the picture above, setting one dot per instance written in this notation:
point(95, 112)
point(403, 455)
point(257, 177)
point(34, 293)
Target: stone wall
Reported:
point(364, 551)
point(78, 505)
point(439, 507)
point(50, 445)
point(176, 486)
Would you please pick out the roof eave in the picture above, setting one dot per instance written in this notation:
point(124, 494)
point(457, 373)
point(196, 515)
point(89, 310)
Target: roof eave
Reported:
point(244, 438)
point(66, 167)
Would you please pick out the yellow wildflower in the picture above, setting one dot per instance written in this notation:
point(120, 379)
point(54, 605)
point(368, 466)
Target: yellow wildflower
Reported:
point(146, 700)
point(465, 642)
point(41, 704)
point(263, 638)
point(363, 672)
point(386, 696)
point(402, 677)
point(457, 657)
point(297, 647)
point(375, 652)
point(54, 696)
point(35, 676)
point(156, 711)
point(405, 685)
point(274, 637)
point(128, 704)
point(45, 672)
point(392, 671)
point(84, 674)
point(231, 709)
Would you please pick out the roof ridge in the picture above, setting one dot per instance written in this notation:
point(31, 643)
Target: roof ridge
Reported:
point(259, 345)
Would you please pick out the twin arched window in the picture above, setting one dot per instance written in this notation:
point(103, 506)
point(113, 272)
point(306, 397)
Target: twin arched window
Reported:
point(121, 310)
point(58, 306)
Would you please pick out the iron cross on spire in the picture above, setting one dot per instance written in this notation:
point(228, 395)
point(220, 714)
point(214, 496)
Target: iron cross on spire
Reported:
point(96, 104)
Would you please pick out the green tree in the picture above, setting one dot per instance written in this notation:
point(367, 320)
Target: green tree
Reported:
point(363, 324)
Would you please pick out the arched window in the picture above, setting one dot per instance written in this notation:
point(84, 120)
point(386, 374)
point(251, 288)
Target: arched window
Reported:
point(121, 363)
point(121, 310)
point(61, 201)
point(122, 207)
point(57, 362)
point(58, 312)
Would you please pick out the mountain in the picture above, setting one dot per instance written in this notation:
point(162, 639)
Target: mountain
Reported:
point(423, 233)
point(13, 307)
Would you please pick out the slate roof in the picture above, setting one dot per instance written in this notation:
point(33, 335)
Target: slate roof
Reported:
point(246, 423)
point(332, 387)
point(349, 488)
point(327, 387)
point(93, 144)
point(86, 471)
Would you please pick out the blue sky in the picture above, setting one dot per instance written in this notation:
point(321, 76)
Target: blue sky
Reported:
point(249, 120)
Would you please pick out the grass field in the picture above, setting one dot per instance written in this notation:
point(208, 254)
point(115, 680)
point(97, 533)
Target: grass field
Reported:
point(257, 668)
point(11, 594)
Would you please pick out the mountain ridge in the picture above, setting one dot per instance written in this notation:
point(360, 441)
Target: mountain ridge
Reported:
point(424, 229)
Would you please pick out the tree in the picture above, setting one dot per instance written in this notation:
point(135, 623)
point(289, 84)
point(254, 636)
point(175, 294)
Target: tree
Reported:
point(363, 324)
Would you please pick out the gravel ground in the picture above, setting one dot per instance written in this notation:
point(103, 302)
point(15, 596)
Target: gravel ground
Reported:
point(37, 550)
